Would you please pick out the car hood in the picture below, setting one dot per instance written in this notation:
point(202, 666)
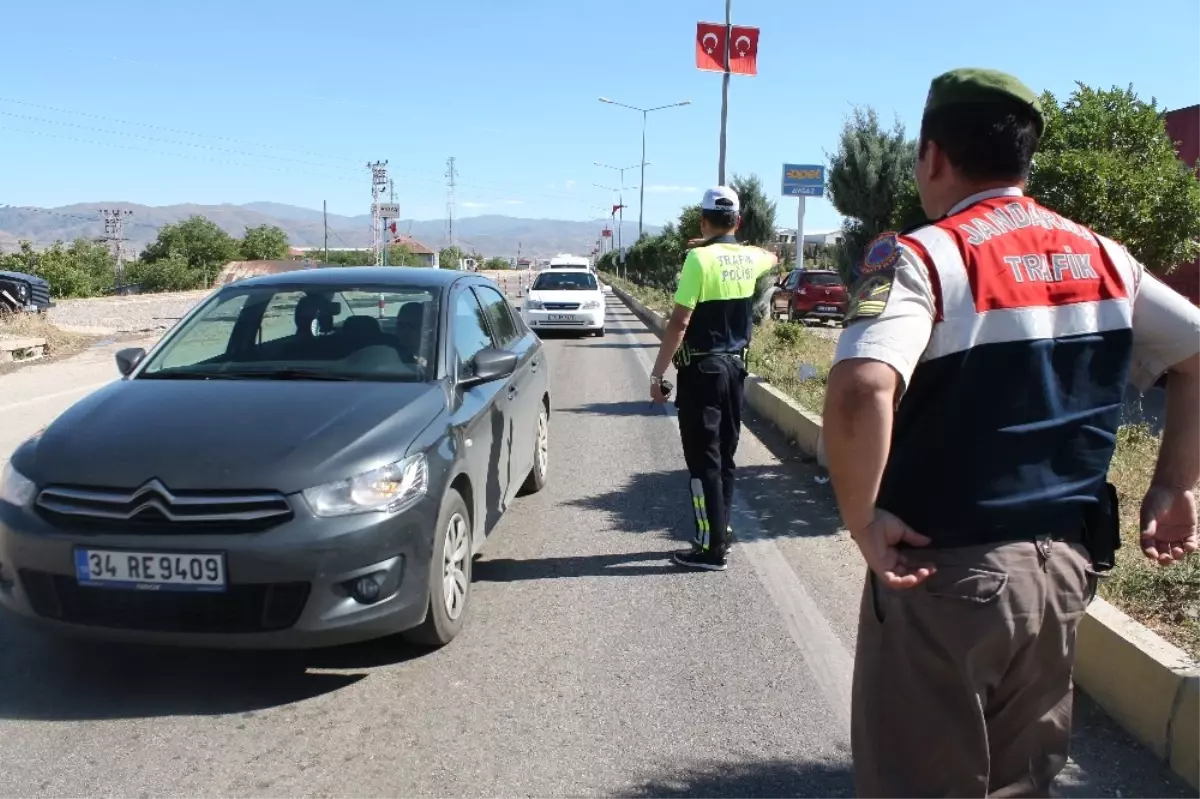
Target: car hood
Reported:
point(566, 296)
point(232, 434)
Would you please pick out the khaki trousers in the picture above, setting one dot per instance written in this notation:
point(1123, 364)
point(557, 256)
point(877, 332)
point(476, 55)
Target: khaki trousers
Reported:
point(962, 686)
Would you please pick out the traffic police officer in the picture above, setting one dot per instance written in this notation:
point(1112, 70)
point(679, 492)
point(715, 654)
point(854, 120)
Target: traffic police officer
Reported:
point(1008, 333)
point(706, 338)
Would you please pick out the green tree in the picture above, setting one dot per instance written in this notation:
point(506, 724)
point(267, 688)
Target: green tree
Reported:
point(448, 257)
point(170, 273)
point(201, 243)
point(350, 258)
point(264, 243)
point(82, 269)
point(871, 183)
point(758, 212)
point(689, 222)
point(401, 255)
point(1107, 162)
point(496, 263)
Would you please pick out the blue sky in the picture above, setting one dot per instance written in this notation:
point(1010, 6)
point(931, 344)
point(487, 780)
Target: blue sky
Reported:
point(159, 102)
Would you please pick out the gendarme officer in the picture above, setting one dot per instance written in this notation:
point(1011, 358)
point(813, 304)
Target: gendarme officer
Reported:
point(706, 338)
point(1008, 335)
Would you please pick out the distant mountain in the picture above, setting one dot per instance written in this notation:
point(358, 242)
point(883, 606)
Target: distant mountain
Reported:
point(489, 235)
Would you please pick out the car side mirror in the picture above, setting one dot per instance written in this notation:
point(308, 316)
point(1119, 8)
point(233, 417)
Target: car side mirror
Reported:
point(491, 364)
point(128, 359)
point(607, 289)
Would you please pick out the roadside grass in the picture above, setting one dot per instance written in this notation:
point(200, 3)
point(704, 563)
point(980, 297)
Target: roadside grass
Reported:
point(1166, 599)
point(58, 342)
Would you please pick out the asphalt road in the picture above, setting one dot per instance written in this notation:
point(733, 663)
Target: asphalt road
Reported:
point(588, 666)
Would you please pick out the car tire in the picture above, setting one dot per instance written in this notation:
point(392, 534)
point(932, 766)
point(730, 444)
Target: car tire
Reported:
point(600, 333)
point(443, 623)
point(540, 473)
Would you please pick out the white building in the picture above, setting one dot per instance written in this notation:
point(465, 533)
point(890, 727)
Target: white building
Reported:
point(822, 237)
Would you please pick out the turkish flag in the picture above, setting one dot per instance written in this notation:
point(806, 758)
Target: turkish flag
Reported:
point(392, 227)
point(710, 48)
point(617, 208)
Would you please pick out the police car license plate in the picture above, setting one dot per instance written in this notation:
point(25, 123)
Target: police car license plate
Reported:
point(562, 317)
point(826, 309)
point(150, 571)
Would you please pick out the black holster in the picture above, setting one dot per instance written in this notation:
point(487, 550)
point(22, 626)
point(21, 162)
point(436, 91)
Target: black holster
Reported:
point(1102, 530)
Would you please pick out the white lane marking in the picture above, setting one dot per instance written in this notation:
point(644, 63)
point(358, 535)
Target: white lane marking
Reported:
point(64, 393)
point(826, 657)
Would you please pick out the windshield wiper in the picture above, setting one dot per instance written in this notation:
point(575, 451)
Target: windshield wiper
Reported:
point(189, 375)
point(286, 374)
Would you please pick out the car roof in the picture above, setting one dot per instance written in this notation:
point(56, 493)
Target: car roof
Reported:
point(558, 270)
point(406, 276)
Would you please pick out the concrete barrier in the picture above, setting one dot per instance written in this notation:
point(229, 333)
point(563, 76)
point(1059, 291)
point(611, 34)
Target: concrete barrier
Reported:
point(16, 350)
point(1146, 684)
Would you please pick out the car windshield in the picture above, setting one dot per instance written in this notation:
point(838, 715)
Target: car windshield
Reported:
point(824, 280)
point(305, 332)
point(565, 281)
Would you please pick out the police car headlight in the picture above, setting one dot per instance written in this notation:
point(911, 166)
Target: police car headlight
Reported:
point(534, 305)
point(591, 305)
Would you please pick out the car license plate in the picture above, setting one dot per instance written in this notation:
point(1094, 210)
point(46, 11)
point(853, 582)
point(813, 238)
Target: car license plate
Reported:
point(826, 309)
point(150, 571)
point(562, 317)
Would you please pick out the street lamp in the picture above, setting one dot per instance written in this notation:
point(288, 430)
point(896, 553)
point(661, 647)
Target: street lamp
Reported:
point(645, 113)
point(621, 195)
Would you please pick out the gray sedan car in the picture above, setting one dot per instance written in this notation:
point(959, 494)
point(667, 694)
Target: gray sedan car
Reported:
point(306, 459)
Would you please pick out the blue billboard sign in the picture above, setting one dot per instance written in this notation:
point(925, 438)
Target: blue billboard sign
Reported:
point(803, 180)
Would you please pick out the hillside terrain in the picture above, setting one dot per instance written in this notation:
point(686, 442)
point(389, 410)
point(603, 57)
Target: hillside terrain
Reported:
point(490, 235)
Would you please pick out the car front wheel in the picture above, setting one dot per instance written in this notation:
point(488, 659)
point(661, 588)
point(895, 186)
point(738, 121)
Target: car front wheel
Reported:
point(449, 576)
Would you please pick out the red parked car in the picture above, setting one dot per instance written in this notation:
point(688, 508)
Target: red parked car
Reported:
point(805, 295)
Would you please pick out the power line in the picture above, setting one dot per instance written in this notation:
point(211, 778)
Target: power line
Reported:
point(426, 174)
point(171, 130)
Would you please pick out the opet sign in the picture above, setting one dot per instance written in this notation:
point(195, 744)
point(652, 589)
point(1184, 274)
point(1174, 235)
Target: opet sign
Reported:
point(803, 180)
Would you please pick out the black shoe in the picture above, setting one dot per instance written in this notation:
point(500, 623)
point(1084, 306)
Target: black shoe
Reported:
point(698, 559)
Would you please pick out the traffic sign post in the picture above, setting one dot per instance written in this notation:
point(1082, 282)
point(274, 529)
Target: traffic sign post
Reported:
point(802, 181)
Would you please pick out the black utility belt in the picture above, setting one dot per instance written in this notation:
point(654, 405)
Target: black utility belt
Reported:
point(686, 357)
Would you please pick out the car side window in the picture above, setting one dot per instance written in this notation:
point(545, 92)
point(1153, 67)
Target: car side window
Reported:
point(470, 332)
point(793, 280)
point(499, 315)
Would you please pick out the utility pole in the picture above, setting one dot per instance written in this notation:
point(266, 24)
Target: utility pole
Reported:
point(114, 236)
point(325, 219)
point(725, 90)
point(451, 183)
point(379, 182)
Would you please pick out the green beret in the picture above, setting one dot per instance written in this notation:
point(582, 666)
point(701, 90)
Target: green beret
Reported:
point(970, 85)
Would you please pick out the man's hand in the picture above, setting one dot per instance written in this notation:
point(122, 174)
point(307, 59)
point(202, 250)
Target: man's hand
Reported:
point(656, 392)
point(1169, 524)
point(895, 568)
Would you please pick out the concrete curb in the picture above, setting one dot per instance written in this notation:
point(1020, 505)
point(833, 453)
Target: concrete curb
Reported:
point(1148, 685)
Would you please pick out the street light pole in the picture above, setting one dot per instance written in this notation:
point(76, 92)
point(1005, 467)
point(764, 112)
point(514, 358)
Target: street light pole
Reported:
point(642, 187)
point(645, 112)
point(621, 170)
point(725, 92)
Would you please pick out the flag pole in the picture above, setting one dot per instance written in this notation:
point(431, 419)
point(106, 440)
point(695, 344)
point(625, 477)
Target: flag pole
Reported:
point(725, 91)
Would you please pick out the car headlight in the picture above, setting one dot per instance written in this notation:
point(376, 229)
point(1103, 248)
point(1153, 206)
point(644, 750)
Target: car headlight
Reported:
point(591, 305)
point(534, 305)
point(387, 489)
point(16, 488)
